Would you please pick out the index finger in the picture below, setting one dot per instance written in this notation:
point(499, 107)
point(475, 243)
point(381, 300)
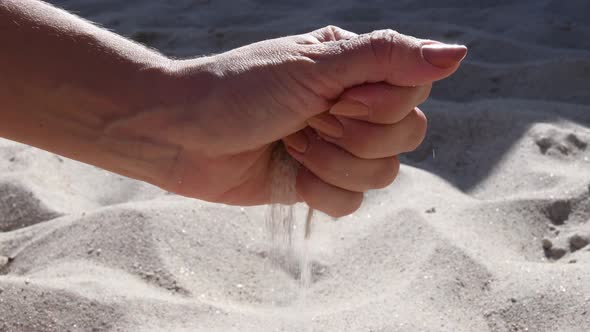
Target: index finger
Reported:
point(380, 103)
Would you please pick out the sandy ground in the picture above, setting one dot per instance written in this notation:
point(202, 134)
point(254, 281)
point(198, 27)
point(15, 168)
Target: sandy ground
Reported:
point(484, 230)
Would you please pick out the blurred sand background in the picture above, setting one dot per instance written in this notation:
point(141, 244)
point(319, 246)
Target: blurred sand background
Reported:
point(486, 228)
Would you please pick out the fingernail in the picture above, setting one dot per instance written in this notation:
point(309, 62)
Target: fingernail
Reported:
point(349, 108)
point(443, 55)
point(295, 154)
point(326, 137)
point(327, 124)
point(297, 141)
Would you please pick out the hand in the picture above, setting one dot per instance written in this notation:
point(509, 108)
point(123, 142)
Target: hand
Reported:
point(358, 93)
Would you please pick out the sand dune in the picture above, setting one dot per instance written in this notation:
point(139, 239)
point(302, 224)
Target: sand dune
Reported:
point(486, 228)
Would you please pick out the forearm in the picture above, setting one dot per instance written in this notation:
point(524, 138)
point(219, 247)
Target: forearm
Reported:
point(65, 81)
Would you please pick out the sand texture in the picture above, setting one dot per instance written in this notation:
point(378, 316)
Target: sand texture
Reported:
point(486, 228)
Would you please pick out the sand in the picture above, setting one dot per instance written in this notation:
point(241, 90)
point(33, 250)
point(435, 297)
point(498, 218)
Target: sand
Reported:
point(484, 230)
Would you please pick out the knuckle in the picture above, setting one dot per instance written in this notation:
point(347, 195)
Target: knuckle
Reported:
point(362, 142)
point(329, 32)
point(384, 35)
point(331, 27)
point(360, 147)
point(418, 132)
point(383, 44)
point(350, 205)
point(386, 173)
point(334, 203)
point(425, 93)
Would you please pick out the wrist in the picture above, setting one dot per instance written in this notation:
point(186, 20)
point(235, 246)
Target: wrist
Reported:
point(128, 142)
point(146, 141)
point(173, 93)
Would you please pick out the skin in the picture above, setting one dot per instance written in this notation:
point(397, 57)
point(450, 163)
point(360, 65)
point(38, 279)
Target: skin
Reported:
point(343, 104)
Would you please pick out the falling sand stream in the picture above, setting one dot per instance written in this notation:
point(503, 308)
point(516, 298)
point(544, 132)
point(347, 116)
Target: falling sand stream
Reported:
point(289, 239)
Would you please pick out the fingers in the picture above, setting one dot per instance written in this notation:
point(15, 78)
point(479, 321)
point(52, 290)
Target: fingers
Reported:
point(370, 141)
point(379, 102)
point(338, 167)
point(352, 157)
point(333, 180)
point(332, 200)
point(384, 55)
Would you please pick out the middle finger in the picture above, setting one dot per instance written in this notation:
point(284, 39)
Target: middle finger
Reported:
point(371, 141)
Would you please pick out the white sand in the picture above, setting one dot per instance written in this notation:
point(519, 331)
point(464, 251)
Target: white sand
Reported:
point(454, 245)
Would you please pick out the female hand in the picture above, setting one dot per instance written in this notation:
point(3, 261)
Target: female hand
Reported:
point(343, 104)
point(357, 93)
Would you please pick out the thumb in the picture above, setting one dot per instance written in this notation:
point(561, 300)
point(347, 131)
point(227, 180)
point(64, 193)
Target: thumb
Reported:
point(385, 56)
